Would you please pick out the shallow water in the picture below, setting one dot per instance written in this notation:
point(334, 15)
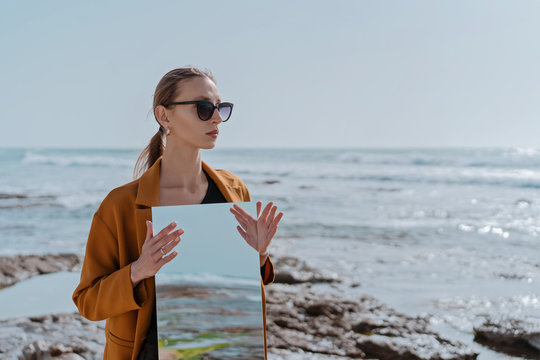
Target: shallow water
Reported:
point(450, 232)
point(41, 295)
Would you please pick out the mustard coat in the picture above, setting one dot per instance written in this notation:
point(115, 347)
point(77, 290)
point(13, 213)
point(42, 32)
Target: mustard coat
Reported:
point(115, 240)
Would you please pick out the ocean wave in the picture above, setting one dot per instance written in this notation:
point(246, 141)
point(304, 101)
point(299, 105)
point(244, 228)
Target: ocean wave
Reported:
point(79, 200)
point(4, 196)
point(204, 279)
point(21, 200)
point(68, 201)
point(28, 205)
point(498, 158)
point(513, 180)
point(31, 157)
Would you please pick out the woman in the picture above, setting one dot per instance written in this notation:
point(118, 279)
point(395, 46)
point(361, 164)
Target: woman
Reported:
point(122, 252)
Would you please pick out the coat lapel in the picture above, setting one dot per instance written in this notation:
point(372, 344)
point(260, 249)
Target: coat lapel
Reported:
point(224, 187)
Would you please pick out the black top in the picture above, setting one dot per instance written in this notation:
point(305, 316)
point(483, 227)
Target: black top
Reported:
point(149, 349)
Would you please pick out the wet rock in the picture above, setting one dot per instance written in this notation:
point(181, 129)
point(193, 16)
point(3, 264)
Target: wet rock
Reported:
point(512, 276)
point(301, 320)
point(283, 354)
point(42, 349)
point(16, 268)
point(12, 196)
point(169, 291)
point(516, 337)
point(290, 270)
point(57, 336)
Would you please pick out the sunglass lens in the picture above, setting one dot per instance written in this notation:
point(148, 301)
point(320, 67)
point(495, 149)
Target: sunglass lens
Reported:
point(225, 110)
point(205, 110)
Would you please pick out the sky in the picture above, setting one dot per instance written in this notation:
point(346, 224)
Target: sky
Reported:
point(209, 249)
point(301, 74)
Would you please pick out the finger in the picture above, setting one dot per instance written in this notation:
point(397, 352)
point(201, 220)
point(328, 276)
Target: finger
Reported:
point(259, 205)
point(265, 211)
point(167, 259)
point(149, 230)
point(167, 239)
point(244, 235)
point(242, 232)
point(168, 247)
point(242, 212)
point(276, 220)
point(242, 221)
point(167, 229)
point(270, 217)
point(272, 230)
point(269, 237)
point(236, 212)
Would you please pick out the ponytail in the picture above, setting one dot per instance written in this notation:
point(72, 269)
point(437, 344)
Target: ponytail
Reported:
point(150, 154)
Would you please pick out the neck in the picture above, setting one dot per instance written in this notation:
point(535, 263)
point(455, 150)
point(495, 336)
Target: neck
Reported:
point(181, 167)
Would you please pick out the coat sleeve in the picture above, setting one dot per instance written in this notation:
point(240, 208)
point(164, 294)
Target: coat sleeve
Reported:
point(267, 272)
point(105, 289)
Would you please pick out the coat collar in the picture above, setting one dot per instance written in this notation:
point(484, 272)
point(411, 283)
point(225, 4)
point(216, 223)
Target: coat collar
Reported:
point(148, 190)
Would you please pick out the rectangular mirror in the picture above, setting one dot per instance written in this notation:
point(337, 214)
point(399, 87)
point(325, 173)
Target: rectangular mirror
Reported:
point(208, 298)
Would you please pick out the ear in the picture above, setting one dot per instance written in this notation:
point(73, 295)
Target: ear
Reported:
point(160, 112)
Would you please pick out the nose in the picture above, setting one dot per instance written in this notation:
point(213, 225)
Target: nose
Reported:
point(217, 117)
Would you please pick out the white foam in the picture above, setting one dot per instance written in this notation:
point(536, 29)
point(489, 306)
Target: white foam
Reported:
point(31, 157)
point(79, 200)
point(204, 279)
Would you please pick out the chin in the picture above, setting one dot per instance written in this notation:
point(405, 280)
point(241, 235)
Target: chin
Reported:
point(208, 147)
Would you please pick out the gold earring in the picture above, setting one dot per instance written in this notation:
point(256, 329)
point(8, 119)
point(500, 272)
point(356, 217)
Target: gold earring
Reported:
point(168, 131)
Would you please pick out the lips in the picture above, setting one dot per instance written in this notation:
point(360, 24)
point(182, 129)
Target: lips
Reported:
point(215, 132)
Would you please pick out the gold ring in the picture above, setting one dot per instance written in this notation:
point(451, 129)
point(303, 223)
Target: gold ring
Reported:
point(161, 249)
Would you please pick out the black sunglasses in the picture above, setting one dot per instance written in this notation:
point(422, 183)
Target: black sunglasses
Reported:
point(205, 108)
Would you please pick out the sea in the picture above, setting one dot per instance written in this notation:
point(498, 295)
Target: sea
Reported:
point(449, 232)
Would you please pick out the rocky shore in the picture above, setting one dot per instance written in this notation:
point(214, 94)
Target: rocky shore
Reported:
point(329, 324)
point(303, 323)
point(55, 336)
point(516, 337)
point(21, 267)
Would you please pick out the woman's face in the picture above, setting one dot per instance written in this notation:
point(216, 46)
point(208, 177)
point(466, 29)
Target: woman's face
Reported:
point(186, 127)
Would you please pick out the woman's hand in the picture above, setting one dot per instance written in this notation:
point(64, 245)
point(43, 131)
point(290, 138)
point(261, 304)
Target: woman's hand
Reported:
point(259, 232)
point(153, 253)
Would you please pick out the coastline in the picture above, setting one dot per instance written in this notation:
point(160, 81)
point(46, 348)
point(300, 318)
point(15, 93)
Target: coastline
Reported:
point(309, 317)
point(14, 269)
